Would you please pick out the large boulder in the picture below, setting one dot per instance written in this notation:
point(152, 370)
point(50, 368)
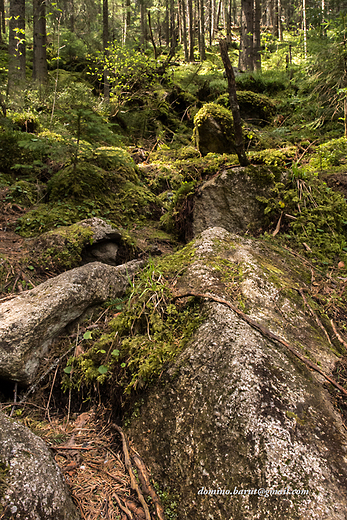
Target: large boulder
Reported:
point(29, 322)
point(231, 200)
point(67, 247)
point(214, 130)
point(238, 427)
point(32, 487)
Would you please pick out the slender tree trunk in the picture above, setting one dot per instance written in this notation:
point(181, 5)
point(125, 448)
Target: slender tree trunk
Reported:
point(151, 35)
point(72, 16)
point(218, 14)
point(256, 36)
point(246, 42)
point(40, 42)
point(2, 20)
point(143, 16)
point(167, 23)
point(304, 26)
point(210, 30)
point(127, 20)
point(279, 20)
point(275, 18)
point(227, 20)
point(105, 40)
point(239, 144)
point(191, 30)
point(16, 47)
point(233, 9)
point(172, 26)
point(202, 31)
point(183, 10)
point(213, 19)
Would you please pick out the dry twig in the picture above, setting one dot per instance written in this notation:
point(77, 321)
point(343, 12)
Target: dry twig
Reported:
point(267, 333)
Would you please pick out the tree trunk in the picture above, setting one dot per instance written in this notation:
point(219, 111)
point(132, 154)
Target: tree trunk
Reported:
point(16, 47)
point(279, 20)
point(191, 30)
point(256, 36)
point(2, 20)
point(172, 26)
point(151, 35)
point(227, 20)
point(239, 144)
point(304, 24)
point(40, 42)
point(127, 20)
point(246, 42)
point(167, 23)
point(202, 31)
point(143, 24)
point(105, 39)
point(183, 10)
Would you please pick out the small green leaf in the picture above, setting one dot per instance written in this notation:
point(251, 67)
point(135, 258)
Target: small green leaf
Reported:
point(101, 352)
point(102, 369)
point(67, 370)
point(31, 267)
point(115, 353)
point(87, 335)
point(123, 365)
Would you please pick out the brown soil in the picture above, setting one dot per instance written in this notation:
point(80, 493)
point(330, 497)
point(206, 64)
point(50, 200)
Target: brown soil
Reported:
point(11, 245)
point(336, 181)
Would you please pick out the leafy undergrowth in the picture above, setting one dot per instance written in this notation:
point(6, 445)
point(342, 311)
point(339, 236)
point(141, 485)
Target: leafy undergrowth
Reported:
point(143, 338)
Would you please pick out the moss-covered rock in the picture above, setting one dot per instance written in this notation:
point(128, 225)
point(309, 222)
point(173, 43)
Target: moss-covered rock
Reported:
point(273, 156)
point(231, 200)
point(61, 249)
point(86, 190)
point(257, 108)
point(225, 423)
point(24, 193)
point(214, 129)
point(116, 160)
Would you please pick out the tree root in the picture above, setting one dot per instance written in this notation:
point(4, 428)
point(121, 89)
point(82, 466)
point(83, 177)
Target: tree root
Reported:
point(267, 333)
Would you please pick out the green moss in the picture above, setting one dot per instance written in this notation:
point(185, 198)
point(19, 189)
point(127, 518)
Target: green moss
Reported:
point(318, 215)
point(84, 181)
point(87, 191)
point(116, 160)
point(178, 262)
point(221, 114)
point(24, 193)
point(214, 129)
point(252, 105)
point(144, 338)
point(274, 157)
point(61, 249)
point(25, 121)
point(45, 217)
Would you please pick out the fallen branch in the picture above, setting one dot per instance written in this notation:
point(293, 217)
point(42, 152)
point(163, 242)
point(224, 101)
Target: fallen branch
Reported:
point(319, 323)
point(267, 333)
point(146, 484)
point(339, 337)
point(129, 467)
point(71, 448)
point(123, 508)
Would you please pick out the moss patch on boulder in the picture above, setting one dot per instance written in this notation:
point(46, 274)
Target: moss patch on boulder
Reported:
point(255, 107)
point(214, 129)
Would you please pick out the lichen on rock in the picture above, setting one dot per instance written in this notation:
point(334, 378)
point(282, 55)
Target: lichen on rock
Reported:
point(236, 410)
point(33, 487)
